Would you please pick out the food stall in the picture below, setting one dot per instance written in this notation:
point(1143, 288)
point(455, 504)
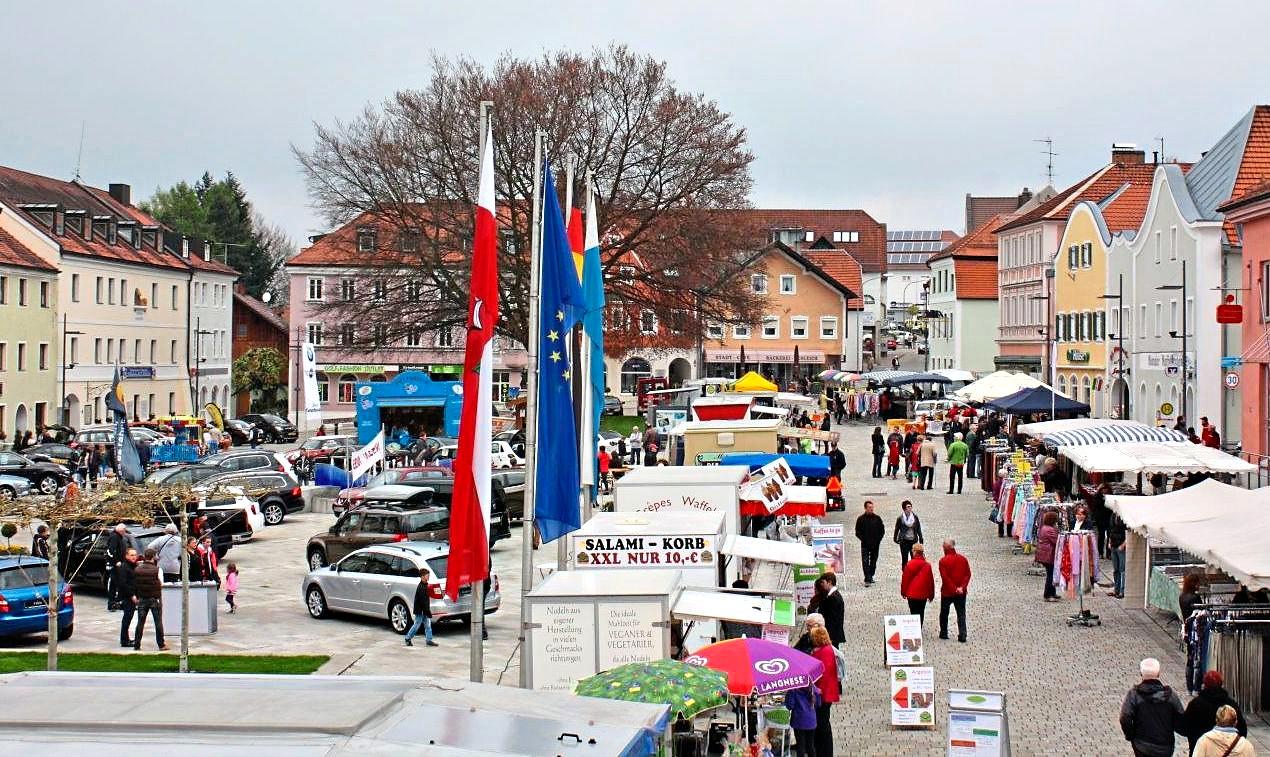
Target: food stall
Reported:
point(412, 402)
point(624, 541)
point(668, 488)
point(695, 438)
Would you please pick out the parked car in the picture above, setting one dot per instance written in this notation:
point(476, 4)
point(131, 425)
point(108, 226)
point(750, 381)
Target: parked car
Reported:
point(13, 486)
point(890, 344)
point(47, 477)
point(503, 456)
point(104, 434)
point(441, 491)
point(511, 485)
point(320, 449)
point(182, 474)
point(277, 494)
point(380, 522)
point(424, 450)
point(612, 406)
point(232, 502)
point(381, 581)
point(24, 598)
point(53, 452)
point(83, 560)
point(248, 459)
point(275, 428)
point(239, 431)
point(514, 437)
point(415, 475)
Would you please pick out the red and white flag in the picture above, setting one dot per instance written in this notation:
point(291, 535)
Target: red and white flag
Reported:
point(470, 508)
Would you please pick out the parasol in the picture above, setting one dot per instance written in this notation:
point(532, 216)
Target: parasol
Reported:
point(687, 689)
point(757, 666)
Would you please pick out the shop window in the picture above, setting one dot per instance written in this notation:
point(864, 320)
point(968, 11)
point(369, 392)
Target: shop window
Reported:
point(633, 369)
point(348, 383)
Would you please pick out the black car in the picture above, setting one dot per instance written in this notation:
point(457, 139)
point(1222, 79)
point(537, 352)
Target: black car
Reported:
point(277, 494)
point(443, 491)
point(239, 431)
point(183, 474)
point(511, 485)
point(612, 406)
point(274, 427)
point(245, 460)
point(82, 561)
point(46, 477)
point(53, 452)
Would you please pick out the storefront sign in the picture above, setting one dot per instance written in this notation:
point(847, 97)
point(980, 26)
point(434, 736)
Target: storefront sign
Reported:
point(1160, 361)
point(725, 355)
point(138, 372)
point(1229, 313)
point(351, 368)
point(1077, 356)
point(902, 638)
point(564, 644)
point(644, 551)
point(629, 633)
point(913, 697)
point(827, 542)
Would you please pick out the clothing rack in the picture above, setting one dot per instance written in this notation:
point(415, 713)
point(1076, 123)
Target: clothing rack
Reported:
point(1087, 572)
point(1231, 638)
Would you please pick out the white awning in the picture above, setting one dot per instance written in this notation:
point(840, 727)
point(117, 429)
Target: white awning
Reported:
point(765, 410)
point(1079, 431)
point(792, 398)
point(1149, 457)
point(718, 605)
point(787, 552)
point(996, 385)
point(1221, 524)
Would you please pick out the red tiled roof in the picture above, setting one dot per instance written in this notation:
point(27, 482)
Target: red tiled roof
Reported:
point(980, 243)
point(1252, 194)
point(13, 252)
point(844, 269)
point(976, 278)
point(1254, 169)
point(1127, 184)
point(870, 251)
point(263, 311)
point(195, 260)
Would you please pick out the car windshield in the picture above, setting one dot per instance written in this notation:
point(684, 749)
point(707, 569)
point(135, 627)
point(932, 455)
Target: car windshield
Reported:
point(24, 576)
point(274, 419)
point(161, 475)
point(313, 443)
point(438, 566)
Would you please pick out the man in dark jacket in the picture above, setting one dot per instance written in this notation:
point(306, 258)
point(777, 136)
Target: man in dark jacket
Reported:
point(149, 588)
point(1151, 713)
point(424, 594)
point(1201, 712)
point(127, 595)
point(116, 546)
point(870, 530)
point(837, 462)
point(40, 542)
point(831, 607)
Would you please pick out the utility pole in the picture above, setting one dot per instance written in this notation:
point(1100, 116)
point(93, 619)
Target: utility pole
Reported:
point(199, 333)
point(66, 364)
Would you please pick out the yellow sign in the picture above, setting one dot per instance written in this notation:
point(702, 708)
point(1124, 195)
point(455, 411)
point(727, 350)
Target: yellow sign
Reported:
point(1166, 408)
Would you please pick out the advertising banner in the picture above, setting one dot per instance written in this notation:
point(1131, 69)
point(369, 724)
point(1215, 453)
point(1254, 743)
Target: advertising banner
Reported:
point(827, 541)
point(564, 644)
point(913, 697)
point(367, 457)
point(768, 485)
point(308, 366)
point(805, 586)
point(902, 638)
point(645, 551)
point(629, 633)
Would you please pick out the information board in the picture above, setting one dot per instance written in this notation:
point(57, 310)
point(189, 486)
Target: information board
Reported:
point(913, 697)
point(564, 644)
point(629, 633)
point(661, 551)
point(974, 734)
point(902, 638)
point(827, 541)
point(805, 586)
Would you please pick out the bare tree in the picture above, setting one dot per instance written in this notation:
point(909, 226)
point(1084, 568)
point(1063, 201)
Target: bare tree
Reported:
point(280, 248)
point(665, 163)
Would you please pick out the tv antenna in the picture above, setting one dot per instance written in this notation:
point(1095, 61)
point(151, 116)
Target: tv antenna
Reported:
point(1160, 139)
point(79, 159)
point(1049, 158)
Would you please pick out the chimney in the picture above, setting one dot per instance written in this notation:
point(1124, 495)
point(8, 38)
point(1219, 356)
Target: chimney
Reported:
point(1024, 197)
point(122, 193)
point(207, 250)
point(1155, 157)
point(1127, 153)
point(185, 247)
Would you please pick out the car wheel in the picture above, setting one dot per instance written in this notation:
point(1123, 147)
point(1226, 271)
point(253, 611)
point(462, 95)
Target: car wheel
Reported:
point(64, 632)
point(48, 485)
point(221, 552)
point(274, 513)
point(7, 493)
point(317, 560)
point(315, 601)
point(400, 616)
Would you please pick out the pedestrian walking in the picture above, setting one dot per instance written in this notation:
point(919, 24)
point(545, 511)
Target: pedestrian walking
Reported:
point(831, 607)
point(908, 532)
point(975, 443)
point(425, 592)
point(813, 620)
point(892, 457)
point(906, 449)
point(231, 586)
point(1046, 542)
point(870, 530)
point(602, 462)
point(168, 549)
point(635, 442)
point(954, 583)
point(1151, 713)
point(1201, 712)
point(801, 704)
point(927, 457)
point(830, 689)
point(837, 462)
point(917, 583)
point(127, 595)
point(1116, 537)
point(1225, 740)
point(915, 461)
point(149, 600)
point(958, 453)
point(40, 542)
point(879, 451)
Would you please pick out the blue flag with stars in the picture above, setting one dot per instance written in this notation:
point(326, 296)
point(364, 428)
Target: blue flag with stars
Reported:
point(556, 479)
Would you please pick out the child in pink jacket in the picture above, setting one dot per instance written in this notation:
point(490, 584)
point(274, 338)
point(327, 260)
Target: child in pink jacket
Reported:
point(231, 585)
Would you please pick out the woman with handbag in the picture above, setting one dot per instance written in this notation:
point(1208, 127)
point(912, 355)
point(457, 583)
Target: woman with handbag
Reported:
point(908, 531)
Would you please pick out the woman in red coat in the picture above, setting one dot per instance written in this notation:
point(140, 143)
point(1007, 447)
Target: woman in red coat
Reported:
point(1046, 541)
point(822, 649)
point(917, 585)
point(893, 458)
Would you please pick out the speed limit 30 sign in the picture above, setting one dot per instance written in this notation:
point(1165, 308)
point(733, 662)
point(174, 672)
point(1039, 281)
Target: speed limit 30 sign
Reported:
point(1231, 380)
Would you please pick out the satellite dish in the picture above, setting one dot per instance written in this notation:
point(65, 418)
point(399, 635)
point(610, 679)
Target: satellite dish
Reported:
point(267, 297)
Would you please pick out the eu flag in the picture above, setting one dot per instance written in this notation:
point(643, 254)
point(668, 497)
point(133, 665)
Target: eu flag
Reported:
point(127, 457)
point(562, 303)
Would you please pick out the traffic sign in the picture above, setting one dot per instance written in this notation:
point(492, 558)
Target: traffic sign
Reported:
point(1231, 361)
point(1166, 408)
point(1231, 380)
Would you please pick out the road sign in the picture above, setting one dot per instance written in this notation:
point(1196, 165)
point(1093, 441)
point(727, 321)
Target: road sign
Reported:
point(1231, 380)
point(1166, 408)
point(1231, 361)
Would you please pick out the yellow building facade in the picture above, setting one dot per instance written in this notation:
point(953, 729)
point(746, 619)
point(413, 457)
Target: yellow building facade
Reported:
point(1078, 337)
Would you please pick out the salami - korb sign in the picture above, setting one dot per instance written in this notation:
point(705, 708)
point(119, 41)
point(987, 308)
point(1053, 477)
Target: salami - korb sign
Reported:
point(644, 551)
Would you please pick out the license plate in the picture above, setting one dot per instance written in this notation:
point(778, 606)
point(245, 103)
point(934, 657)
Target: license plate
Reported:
point(465, 591)
point(33, 603)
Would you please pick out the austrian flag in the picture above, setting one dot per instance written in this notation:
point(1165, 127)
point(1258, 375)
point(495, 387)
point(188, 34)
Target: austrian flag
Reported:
point(470, 509)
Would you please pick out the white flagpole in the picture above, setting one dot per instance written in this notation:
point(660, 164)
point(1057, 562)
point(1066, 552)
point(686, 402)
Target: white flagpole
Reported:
point(587, 442)
point(527, 528)
point(477, 626)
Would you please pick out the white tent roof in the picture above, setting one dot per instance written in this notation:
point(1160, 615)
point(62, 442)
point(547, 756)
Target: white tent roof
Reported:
point(1221, 524)
point(1073, 432)
point(995, 386)
point(1135, 457)
point(718, 605)
point(955, 374)
point(790, 553)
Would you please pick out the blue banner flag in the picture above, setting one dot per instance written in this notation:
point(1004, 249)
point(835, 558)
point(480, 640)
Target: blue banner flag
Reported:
point(127, 458)
point(556, 507)
point(593, 326)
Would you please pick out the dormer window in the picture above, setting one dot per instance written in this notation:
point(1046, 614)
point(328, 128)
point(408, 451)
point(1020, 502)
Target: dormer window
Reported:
point(44, 213)
point(75, 221)
point(366, 239)
point(150, 236)
point(100, 226)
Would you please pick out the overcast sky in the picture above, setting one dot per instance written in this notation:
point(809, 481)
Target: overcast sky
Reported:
point(896, 108)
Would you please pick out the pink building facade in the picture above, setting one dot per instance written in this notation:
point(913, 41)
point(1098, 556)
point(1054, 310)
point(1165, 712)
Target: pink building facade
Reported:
point(1251, 215)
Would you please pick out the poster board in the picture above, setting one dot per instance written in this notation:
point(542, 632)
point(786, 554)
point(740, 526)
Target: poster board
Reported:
point(827, 542)
point(913, 697)
point(978, 725)
point(630, 633)
point(902, 639)
point(567, 638)
point(805, 586)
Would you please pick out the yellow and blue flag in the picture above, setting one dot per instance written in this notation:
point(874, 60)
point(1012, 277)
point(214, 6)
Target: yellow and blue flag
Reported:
point(127, 457)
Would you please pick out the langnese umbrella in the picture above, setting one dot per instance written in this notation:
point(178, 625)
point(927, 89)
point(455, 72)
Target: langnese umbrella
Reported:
point(757, 666)
point(687, 689)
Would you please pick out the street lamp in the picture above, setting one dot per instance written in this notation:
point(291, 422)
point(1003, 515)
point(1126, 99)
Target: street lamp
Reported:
point(1123, 398)
point(1185, 367)
point(199, 333)
point(1045, 332)
point(66, 408)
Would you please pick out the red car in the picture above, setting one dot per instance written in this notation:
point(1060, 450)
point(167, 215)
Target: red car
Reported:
point(349, 498)
point(320, 449)
point(890, 344)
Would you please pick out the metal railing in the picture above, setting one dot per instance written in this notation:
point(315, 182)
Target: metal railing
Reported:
point(1258, 478)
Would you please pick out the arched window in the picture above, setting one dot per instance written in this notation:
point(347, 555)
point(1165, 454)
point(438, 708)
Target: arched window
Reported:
point(632, 370)
point(1084, 390)
point(348, 382)
point(1062, 385)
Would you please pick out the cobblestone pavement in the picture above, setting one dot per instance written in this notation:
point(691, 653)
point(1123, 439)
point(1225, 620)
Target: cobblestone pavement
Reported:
point(1063, 685)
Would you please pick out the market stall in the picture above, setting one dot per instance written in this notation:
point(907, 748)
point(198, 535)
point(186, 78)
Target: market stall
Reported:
point(1073, 432)
point(667, 488)
point(1148, 457)
point(1037, 399)
point(996, 385)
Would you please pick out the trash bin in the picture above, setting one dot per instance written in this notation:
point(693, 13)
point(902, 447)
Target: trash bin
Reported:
point(203, 598)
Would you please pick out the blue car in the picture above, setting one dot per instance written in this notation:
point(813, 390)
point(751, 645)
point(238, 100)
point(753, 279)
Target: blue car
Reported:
point(24, 598)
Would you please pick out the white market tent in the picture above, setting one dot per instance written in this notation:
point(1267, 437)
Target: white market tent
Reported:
point(955, 374)
point(995, 386)
point(1149, 457)
point(1223, 525)
point(1073, 432)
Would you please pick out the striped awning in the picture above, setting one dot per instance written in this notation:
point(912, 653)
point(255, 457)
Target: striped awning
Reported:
point(1128, 432)
point(885, 375)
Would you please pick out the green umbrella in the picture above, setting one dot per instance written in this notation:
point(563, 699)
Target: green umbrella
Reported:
point(688, 689)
